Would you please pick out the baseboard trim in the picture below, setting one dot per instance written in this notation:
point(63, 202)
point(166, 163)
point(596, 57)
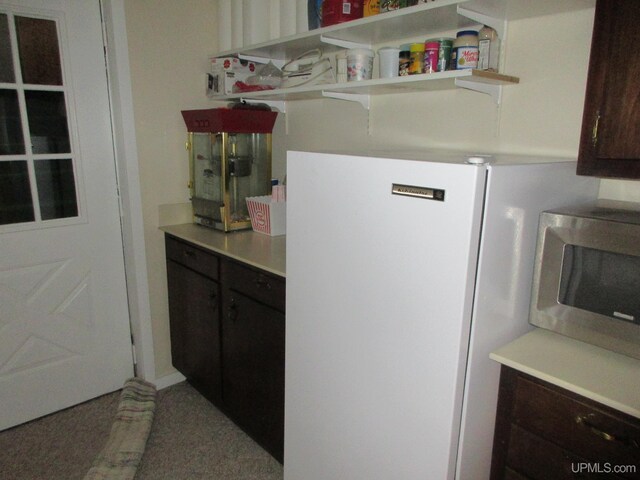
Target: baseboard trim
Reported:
point(168, 380)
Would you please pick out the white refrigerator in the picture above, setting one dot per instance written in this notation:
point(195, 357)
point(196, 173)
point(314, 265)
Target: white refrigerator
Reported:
point(402, 275)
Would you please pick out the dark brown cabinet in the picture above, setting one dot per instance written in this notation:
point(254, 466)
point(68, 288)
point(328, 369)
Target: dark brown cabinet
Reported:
point(194, 316)
point(544, 432)
point(228, 337)
point(610, 138)
point(253, 325)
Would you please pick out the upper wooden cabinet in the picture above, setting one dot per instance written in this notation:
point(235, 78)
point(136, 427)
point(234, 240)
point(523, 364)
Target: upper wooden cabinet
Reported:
point(610, 139)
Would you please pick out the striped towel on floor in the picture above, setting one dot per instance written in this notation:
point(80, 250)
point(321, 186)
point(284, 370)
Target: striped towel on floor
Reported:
point(120, 457)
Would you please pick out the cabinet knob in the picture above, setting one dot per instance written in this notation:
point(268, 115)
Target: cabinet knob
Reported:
point(213, 297)
point(263, 282)
point(232, 313)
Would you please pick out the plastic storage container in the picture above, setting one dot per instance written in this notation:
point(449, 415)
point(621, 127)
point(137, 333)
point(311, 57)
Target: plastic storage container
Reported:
point(416, 64)
point(465, 50)
point(359, 64)
point(489, 49)
point(404, 60)
point(444, 54)
point(388, 58)
point(339, 11)
point(371, 7)
point(431, 49)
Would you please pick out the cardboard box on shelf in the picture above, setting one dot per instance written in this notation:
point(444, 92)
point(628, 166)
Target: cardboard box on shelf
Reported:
point(225, 72)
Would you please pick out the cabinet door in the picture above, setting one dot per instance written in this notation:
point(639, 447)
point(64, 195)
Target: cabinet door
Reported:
point(253, 336)
point(543, 432)
point(195, 328)
point(610, 139)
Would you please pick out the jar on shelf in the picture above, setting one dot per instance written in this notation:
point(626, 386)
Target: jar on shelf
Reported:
point(488, 49)
point(404, 60)
point(416, 63)
point(431, 48)
point(389, 5)
point(371, 7)
point(444, 54)
point(464, 54)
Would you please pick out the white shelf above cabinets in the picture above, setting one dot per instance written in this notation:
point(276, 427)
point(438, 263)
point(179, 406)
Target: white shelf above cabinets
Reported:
point(427, 20)
point(486, 82)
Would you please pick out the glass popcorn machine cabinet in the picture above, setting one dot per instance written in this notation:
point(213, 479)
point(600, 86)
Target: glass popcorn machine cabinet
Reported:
point(229, 160)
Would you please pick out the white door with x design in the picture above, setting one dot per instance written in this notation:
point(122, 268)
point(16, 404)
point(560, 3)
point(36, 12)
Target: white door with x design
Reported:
point(64, 319)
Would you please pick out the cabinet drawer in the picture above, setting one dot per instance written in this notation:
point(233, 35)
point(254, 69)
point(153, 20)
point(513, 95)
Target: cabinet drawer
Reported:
point(192, 257)
point(264, 287)
point(537, 459)
point(594, 432)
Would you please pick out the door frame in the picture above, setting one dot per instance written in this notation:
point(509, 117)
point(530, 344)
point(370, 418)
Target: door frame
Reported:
point(128, 179)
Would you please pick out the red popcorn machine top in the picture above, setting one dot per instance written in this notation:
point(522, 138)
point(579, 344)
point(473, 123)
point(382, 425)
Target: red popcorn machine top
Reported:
point(229, 160)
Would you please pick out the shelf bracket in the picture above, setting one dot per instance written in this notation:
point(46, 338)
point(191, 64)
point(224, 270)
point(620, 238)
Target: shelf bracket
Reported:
point(279, 105)
point(500, 26)
point(360, 98)
point(343, 43)
point(495, 91)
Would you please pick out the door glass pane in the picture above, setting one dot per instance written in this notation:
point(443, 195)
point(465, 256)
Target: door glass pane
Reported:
point(35, 185)
point(39, 52)
point(6, 59)
point(56, 188)
point(11, 140)
point(47, 122)
point(16, 205)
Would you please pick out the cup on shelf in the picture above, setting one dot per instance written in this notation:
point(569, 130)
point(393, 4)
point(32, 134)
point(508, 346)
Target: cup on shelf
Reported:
point(388, 59)
point(359, 64)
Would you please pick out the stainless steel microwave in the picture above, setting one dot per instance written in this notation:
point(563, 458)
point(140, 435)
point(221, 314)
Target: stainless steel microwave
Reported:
point(586, 281)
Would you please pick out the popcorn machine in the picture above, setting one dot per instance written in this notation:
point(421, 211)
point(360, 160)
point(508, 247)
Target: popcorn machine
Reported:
point(229, 160)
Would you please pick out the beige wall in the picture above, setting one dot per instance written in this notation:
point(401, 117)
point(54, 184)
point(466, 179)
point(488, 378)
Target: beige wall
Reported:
point(169, 45)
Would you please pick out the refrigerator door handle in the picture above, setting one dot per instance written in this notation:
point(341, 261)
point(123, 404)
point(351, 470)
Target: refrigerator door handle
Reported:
point(418, 192)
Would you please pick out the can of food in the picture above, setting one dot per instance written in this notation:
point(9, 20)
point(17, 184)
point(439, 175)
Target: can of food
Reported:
point(416, 64)
point(431, 49)
point(444, 54)
point(371, 7)
point(389, 5)
point(404, 60)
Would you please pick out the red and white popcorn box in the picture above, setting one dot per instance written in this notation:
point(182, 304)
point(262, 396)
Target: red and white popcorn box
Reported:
point(267, 215)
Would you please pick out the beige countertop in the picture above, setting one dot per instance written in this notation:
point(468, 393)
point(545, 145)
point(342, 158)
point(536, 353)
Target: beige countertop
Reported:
point(256, 249)
point(593, 372)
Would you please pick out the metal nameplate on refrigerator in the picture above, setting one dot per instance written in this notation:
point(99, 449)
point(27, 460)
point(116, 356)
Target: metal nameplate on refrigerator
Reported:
point(418, 192)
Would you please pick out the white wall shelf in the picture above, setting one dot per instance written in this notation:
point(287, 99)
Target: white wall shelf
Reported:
point(421, 20)
point(429, 19)
point(486, 82)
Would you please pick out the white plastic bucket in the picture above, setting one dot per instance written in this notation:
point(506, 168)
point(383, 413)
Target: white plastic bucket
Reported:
point(359, 64)
point(389, 58)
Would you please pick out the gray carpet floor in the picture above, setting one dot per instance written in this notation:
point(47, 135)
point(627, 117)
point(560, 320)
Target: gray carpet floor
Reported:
point(189, 440)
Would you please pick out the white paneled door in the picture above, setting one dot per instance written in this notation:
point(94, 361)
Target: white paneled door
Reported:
point(64, 320)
